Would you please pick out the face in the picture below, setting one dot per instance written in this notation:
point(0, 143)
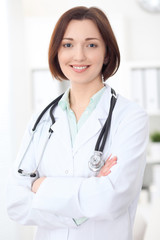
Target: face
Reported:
point(82, 52)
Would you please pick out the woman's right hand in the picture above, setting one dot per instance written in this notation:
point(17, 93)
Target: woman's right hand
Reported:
point(105, 170)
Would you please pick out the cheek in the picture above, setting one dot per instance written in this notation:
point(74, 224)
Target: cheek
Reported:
point(63, 57)
point(98, 57)
point(99, 60)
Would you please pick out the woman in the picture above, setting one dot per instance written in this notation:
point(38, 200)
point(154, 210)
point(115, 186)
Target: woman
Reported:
point(66, 199)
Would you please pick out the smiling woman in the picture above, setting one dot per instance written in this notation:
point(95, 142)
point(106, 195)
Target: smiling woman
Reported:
point(82, 169)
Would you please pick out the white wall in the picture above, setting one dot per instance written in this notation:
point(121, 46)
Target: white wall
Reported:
point(5, 127)
point(12, 92)
point(142, 35)
point(6, 150)
point(19, 75)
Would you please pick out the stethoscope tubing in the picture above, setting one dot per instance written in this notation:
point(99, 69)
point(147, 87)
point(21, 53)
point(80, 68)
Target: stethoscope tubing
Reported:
point(33, 173)
point(93, 164)
point(106, 126)
point(52, 105)
point(23, 155)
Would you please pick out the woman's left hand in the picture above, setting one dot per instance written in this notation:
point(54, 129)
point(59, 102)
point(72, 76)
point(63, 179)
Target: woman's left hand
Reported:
point(105, 170)
point(37, 184)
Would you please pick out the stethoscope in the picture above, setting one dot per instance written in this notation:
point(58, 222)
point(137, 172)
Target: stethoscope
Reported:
point(96, 162)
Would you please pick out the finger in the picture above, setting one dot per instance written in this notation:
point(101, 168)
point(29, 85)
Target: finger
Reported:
point(105, 172)
point(101, 174)
point(109, 158)
point(105, 168)
point(114, 158)
point(109, 164)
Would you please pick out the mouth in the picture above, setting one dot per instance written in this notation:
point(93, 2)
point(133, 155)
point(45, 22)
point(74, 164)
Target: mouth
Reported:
point(80, 68)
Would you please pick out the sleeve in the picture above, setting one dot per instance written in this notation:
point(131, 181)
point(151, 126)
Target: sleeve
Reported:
point(20, 197)
point(105, 197)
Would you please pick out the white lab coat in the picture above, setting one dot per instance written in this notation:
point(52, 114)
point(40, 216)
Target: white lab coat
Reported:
point(71, 190)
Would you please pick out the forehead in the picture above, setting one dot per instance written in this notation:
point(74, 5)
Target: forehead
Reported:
point(85, 28)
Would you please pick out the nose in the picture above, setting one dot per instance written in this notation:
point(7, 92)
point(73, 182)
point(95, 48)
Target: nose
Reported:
point(79, 54)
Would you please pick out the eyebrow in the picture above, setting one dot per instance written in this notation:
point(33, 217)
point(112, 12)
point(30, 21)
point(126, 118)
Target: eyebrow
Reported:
point(86, 39)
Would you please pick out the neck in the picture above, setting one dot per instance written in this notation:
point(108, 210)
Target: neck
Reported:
point(80, 94)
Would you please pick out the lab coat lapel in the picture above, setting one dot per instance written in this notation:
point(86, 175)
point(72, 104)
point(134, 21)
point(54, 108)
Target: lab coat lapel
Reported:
point(88, 130)
point(61, 129)
point(94, 123)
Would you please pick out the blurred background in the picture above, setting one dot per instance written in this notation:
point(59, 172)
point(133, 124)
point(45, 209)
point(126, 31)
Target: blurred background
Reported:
point(26, 86)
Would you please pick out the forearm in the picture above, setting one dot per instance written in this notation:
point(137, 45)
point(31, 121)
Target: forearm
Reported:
point(105, 170)
point(19, 206)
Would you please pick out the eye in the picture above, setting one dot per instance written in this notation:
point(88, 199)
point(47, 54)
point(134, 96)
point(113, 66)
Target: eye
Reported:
point(92, 45)
point(67, 45)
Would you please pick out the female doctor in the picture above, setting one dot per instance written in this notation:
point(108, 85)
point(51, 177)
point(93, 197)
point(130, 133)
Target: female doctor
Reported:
point(62, 186)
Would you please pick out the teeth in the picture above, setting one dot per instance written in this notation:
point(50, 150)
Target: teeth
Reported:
point(79, 67)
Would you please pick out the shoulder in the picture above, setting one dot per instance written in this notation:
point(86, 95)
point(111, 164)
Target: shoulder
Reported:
point(130, 118)
point(125, 107)
point(126, 110)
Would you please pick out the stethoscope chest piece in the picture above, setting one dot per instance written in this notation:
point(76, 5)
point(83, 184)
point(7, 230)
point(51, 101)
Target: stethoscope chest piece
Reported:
point(96, 161)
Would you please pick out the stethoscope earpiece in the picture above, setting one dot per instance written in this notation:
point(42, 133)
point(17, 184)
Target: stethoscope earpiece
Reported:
point(26, 174)
point(33, 175)
point(20, 171)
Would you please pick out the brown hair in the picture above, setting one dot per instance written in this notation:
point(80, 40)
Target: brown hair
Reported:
point(100, 19)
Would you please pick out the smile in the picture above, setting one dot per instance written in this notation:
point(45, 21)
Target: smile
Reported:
point(79, 68)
